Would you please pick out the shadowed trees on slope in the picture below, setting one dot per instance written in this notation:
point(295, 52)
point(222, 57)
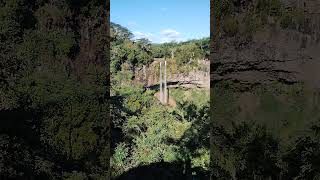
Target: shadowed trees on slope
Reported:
point(53, 105)
point(245, 152)
point(252, 146)
point(155, 171)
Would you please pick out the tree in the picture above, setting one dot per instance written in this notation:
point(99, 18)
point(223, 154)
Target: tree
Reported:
point(188, 53)
point(119, 33)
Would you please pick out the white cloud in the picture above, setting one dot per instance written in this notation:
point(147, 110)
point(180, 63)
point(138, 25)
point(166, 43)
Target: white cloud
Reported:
point(169, 35)
point(164, 36)
point(140, 35)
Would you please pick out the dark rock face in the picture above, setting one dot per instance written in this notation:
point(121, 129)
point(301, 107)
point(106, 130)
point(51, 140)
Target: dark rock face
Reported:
point(271, 55)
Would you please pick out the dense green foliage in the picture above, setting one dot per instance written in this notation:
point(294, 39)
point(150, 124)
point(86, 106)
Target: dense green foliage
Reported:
point(53, 90)
point(146, 132)
point(129, 54)
point(274, 133)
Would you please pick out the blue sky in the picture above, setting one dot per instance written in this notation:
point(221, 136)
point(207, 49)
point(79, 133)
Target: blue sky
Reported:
point(163, 20)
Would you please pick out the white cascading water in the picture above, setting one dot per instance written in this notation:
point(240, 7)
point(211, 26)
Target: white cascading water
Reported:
point(165, 83)
point(161, 93)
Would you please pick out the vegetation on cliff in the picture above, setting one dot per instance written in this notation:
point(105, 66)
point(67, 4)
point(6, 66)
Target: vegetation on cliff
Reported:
point(270, 131)
point(247, 17)
point(145, 132)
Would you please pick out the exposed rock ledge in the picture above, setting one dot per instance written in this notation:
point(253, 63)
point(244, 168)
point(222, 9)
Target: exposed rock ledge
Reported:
point(193, 79)
point(272, 55)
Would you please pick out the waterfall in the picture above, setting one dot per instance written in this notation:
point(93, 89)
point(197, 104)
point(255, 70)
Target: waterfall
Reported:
point(144, 72)
point(161, 93)
point(165, 83)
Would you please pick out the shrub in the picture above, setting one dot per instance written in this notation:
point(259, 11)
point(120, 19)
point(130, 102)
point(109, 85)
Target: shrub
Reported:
point(230, 26)
point(252, 23)
point(286, 21)
point(223, 8)
point(299, 17)
point(118, 160)
point(269, 7)
point(275, 8)
point(292, 20)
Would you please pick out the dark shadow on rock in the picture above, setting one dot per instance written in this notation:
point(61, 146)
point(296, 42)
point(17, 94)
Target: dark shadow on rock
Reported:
point(155, 171)
point(173, 84)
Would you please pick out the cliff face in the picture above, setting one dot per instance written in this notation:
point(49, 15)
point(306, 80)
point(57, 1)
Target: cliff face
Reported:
point(275, 59)
point(196, 78)
point(309, 6)
point(272, 53)
point(279, 55)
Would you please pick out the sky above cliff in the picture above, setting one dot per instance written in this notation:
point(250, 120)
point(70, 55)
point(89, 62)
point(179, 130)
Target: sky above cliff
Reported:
point(163, 20)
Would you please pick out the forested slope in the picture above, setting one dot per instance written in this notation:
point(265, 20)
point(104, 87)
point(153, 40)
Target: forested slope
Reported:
point(53, 90)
